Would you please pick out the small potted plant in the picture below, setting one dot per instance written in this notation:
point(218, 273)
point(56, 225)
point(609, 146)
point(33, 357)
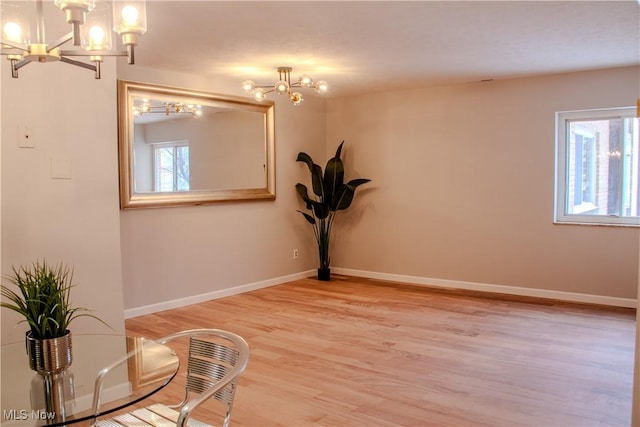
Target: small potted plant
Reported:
point(330, 195)
point(43, 299)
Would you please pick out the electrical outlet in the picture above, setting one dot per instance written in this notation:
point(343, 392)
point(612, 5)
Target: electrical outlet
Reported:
point(295, 254)
point(25, 137)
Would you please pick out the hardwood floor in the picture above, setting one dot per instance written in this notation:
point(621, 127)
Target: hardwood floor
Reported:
point(360, 352)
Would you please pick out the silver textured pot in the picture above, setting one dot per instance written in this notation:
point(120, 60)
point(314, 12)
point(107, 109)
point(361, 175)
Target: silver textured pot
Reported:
point(49, 355)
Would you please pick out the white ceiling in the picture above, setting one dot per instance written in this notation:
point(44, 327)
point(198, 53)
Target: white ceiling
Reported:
point(357, 46)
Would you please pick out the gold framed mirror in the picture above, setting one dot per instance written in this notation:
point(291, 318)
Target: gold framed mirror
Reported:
point(180, 147)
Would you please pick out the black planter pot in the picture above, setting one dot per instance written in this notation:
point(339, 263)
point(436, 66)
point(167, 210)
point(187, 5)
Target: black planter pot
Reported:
point(324, 274)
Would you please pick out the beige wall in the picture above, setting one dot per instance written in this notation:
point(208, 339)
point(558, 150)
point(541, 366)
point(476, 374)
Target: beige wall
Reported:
point(463, 181)
point(182, 252)
point(462, 190)
point(71, 117)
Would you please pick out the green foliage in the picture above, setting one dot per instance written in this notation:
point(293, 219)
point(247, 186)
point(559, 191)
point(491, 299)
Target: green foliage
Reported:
point(42, 298)
point(330, 195)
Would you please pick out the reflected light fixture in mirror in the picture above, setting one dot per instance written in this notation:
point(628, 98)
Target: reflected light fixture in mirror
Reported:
point(91, 26)
point(147, 106)
point(284, 86)
point(180, 147)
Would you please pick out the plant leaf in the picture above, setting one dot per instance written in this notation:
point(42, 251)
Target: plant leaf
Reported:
point(316, 181)
point(304, 157)
point(316, 173)
point(308, 217)
point(347, 193)
point(339, 150)
point(356, 182)
point(320, 210)
point(333, 179)
point(304, 194)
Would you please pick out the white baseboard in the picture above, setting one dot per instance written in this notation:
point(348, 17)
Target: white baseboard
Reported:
point(484, 287)
point(414, 280)
point(181, 302)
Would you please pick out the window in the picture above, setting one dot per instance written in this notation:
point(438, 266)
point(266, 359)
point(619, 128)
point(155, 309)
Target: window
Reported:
point(597, 174)
point(171, 166)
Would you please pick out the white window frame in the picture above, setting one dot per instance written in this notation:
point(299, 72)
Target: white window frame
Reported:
point(561, 202)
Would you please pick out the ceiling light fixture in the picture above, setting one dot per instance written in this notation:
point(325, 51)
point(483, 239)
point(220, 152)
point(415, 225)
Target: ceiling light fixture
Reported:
point(284, 86)
point(91, 32)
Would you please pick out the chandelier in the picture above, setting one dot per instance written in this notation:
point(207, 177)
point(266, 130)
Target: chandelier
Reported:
point(91, 32)
point(284, 86)
point(166, 108)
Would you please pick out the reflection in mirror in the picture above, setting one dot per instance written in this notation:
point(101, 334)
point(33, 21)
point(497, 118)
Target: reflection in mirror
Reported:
point(182, 147)
point(150, 362)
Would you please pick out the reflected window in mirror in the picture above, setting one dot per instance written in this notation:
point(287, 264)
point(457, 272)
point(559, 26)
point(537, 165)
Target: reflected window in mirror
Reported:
point(170, 168)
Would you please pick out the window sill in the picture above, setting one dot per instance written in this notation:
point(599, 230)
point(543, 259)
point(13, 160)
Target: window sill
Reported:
point(596, 224)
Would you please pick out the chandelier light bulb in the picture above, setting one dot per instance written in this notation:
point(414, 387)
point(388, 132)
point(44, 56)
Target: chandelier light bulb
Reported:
point(248, 86)
point(130, 15)
point(296, 98)
point(322, 87)
point(12, 32)
point(306, 81)
point(281, 87)
point(96, 31)
point(259, 95)
point(130, 20)
point(97, 37)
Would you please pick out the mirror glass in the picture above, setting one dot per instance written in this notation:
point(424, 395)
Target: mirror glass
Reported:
point(183, 147)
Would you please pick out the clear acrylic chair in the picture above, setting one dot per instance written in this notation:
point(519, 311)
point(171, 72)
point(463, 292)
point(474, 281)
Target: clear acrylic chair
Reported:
point(216, 358)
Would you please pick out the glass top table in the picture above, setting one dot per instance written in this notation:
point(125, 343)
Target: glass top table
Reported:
point(145, 367)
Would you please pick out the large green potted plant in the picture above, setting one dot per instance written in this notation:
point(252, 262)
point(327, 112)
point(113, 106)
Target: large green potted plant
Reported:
point(42, 298)
point(330, 195)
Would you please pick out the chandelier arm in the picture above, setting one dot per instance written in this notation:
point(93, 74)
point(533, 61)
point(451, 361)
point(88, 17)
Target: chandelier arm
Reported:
point(76, 34)
point(16, 65)
point(14, 45)
point(14, 72)
point(270, 87)
point(131, 54)
point(62, 40)
point(78, 63)
point(21, 64)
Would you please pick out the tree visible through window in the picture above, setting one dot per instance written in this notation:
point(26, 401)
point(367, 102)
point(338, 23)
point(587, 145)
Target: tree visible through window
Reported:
point(171, 167)
point(598, 175)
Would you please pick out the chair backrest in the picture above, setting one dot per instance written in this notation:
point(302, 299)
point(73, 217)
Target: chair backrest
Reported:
point(208, 363)
point(216, 358)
